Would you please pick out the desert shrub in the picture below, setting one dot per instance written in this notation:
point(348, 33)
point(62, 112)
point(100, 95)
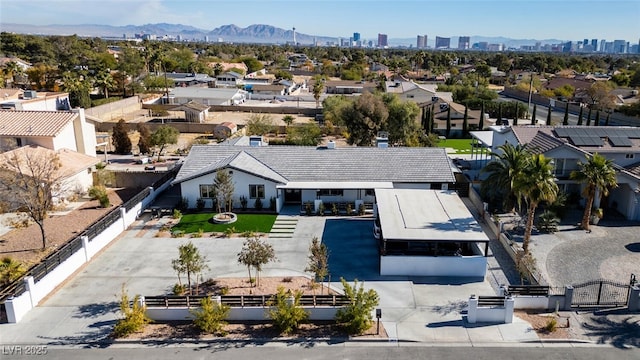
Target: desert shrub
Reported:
point(361, 209)
point(308, 208)
point(134, 316)
point(320, 209)
point(548, 222)
point(551, 325)
point(179, 289)
point(200, 204)
point(228, 232)
point(177, 214)
point(349, 209)
point(285, 310)
point(334, 209)
point(224, 290)
point(198, 234)
point(287, 279)
point(209, 318)
point(356, 316)
point(177, 234)
point(165, 227)
point(258, 204)
point(99, 193)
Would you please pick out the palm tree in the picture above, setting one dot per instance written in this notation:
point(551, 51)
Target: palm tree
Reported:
point(503, 170)
point(598, 175)
point(533, 185)
point(105, 81)
point(10, 270)
point(318, 87)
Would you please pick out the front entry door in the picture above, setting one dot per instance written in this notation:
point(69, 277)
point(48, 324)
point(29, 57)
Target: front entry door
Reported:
point(292, 196)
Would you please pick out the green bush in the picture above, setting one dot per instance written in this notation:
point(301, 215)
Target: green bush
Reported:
point(285, 310)
point(209, 318)
point(334, 209)
point(552, 325)
point(272, 204)
point(243, 202)
point(308, 208)
point(177, 214)
point(356, 316)
point(99, 193)
point(134, 316)
point(258, 204)
point(200, 204)
point(361, 209)
point(179, 289)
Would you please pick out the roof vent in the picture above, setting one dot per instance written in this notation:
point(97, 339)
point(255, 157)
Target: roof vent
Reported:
point(30, 94)
point(331, 144)
point(255, 141)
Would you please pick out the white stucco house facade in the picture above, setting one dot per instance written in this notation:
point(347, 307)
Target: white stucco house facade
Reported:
point(299, 175)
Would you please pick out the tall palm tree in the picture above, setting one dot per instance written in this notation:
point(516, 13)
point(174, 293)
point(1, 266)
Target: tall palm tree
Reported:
point(318, 88)
point(598, 175)
point(105, 81)
point(502, 172)
point(534, 185)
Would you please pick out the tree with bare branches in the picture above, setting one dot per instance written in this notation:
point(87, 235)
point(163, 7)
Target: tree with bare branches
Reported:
point(30, 180)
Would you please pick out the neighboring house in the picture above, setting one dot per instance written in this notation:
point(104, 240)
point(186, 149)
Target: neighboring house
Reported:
point(225, 130)
point(191, 79)
point(54, 130)
point(346, 87)
point(229, 79)
point(207, 96)
point(75, 169)
point(269, 90)
point(457, 118)
point(298, 174)
point(428, 233)
point(24, 65)
point(194, 111)
point(16, 99)
point(410, 91)
point(567, 145)
point(228, 66)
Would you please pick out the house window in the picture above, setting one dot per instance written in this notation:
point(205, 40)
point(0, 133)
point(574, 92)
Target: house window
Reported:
point(628, 156)
point(558, 167)
point(330, 192)
point(207, 191)
point(256, 191)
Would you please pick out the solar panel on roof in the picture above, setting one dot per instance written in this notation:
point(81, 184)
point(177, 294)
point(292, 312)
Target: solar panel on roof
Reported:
point(562, 132)
point(619, 141)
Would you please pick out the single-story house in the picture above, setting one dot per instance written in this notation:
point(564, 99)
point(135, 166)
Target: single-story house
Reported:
point(225, 130)
point(270, 90)
point(18, 99)
point(194, 111)
point(53, 130)
point(229, 79)
point(346, 87)
point(428, 233)
point(191, 79)
point(207, 96)
point(298, 175)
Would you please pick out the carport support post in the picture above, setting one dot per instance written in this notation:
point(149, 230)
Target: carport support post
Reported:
point(634, 299)
point(509, 304)
point(85, 247)
point(568, 297)
point(30, 284)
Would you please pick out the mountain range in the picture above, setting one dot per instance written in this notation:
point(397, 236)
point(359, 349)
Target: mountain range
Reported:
point(258, 33)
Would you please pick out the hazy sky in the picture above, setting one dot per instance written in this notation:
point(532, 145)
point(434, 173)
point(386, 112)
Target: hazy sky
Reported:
point(520, 19)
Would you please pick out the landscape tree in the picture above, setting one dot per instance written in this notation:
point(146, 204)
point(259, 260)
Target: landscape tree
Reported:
point(356, 316)
point(333, 108)
point(364, 118)
point(502, 172)
point(308, 134)
point(144, 138)
point(164, 135)
point(288, 120)
point(78, 88)
point(134, 313)
point(534, 185)
point(548, 123)
point(402, 123)
point(223, 189)
point(255, 253)
point(565, 120)
point(189, 262)
point(515, 113)
point(210, 316)
point(318, 88)
point(598, 175)
point(30, 182)
point(318, 261)
point(481, 122)
point(580, 116)
point(534, 121)
point(596, 121)
point(465, 121)
point(259, 124)
point(120, 138)
point(589, 117)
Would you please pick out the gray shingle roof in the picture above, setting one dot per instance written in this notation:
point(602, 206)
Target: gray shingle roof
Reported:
point(543, 142)
point(300, 163)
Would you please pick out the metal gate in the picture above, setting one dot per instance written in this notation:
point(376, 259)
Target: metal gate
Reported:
point(601, 293)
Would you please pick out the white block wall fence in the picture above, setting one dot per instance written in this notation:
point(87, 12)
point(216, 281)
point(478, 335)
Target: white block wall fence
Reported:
point(57, 267)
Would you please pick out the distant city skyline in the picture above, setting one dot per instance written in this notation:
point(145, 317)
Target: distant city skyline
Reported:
point(567, 20)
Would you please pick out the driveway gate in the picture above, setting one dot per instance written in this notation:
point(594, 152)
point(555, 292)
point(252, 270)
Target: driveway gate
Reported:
point(601, 293)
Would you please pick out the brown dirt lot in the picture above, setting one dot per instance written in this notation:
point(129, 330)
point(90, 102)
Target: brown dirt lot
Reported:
point(540, 320)
point(25, 244)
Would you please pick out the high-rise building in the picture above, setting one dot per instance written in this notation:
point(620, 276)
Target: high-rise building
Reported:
point(422, 42)
point(356, 36)
point(594, 44)
point(382, 40)
point(619, 46)
point(603, 44)
point(463, 43)
point(442, 42)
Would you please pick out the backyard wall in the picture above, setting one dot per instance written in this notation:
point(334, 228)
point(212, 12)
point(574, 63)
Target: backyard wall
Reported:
point(258, 313)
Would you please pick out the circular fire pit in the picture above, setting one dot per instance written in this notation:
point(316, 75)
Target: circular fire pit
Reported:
point(225, 218)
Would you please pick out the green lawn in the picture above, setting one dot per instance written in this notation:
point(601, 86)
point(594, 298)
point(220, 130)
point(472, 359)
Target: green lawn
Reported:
point(461, 146)
point(191, 223)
